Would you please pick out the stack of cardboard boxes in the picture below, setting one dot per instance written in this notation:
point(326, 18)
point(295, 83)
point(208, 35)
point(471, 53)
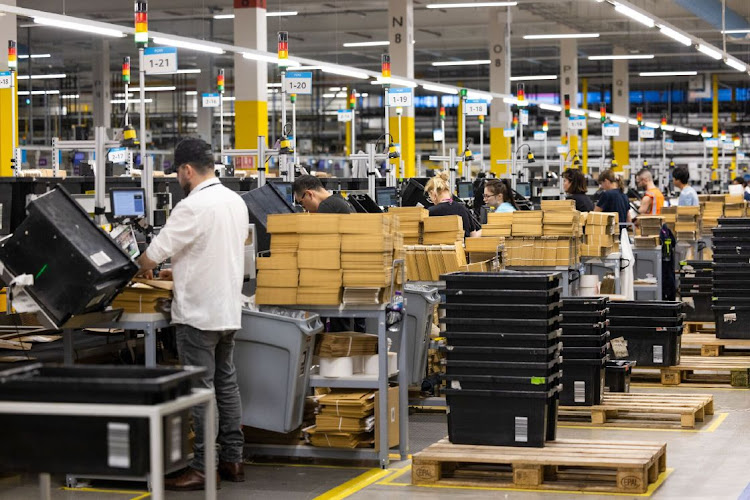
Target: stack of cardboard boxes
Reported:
point(144, 296)
point(670, 217)
point(446, 230)
point(542, 251)
point(484, 248)
point(527, 223)
point(561, 218)
point(649, 229)
point(711, 211)
point(498, 224)
point(428, 262)
point(600, 234)
point(735, 206)
point(410, 222)
point(687, 225)
point(278, 275)
point(319, 259)
point(367, 246)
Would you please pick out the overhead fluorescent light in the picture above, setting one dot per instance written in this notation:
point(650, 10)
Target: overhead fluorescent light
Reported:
point(376, 43)
point(191, 92)
point(283, 13)
point(705, 49)
point(470, 4)
point(474, 94)
point(335, 89)
point(273, 85)
point(735, 32)
point(675, 35)
point(39, 92)
point(531, 78)
point(618, 119)
point(439, 88)
point(681, 130)
point(561, 35)
point(462, 63)
point(56, 76)
point(168, 88)
point(130, 101)
point(224, 16)
point(668, 73)
point(735, 64)
point(621, 57)
point(394, 81)
point(550, 107)
point(592, 113)
point(651, 125)
point(332, 95)
point(188, 71)
point(692, 131)
point(90, 27)
point(335, 70)
point(635, 15)
point(632, 121)
point(511, 100)
point(668, 128)
point(184, 44)
point(228, 98)
point(578, 112)
point(270, 58)
point(34, 56)
point(70, 96)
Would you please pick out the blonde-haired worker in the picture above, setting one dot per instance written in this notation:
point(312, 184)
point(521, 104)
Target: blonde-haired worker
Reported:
point(439, 192)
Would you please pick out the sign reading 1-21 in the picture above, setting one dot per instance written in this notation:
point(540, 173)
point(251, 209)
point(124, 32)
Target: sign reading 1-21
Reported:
point(475, 107)
point(160, 60)
point(298, 82)
point(400, 97)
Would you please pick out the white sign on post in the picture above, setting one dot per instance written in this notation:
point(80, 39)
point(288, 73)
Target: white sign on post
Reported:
point(646, 133)
point(741, 155)
point(669, 145)
point(611, 130)
point(509, 132)
point(345, 115)
point(476, 107)
point(540, 136)
point(299, 82)
point(577, 123)
point(211, 100)
point(400, 97)
point(118, 155)
point(563, 149)
point(728, 146)
point(6, 80)
point(160, 60)
point(711, 143)
point(524, 116)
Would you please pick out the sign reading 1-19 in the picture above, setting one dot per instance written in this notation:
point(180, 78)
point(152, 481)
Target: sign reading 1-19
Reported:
point(298, 82)
point(160, 60)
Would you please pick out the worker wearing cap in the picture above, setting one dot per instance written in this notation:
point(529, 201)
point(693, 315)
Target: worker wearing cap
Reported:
point(205, 238)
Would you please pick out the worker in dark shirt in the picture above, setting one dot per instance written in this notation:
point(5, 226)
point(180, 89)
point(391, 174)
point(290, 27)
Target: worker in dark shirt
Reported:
point(613, 199)
point(438, 190)
point(574, 183)
point(314, 198)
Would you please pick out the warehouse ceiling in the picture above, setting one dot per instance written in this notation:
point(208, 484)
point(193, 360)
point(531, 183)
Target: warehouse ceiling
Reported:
point(322, 27)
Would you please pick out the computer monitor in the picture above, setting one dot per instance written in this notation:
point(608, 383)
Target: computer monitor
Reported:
point(285, 190)
point(466, 190)
point(524, 189)
point(386, 197)
point(128, 202)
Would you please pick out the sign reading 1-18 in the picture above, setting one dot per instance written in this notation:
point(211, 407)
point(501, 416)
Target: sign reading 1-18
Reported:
point(298, 82)
point(160, 60)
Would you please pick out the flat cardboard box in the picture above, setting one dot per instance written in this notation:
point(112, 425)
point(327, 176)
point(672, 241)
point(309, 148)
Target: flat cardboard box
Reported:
point(281, 223)
point(488, 231)
point(319, 296)
point(502, 219)
point(594, 229)
point(600, 240)
point(286, 278)
point(684, 210)
point(284, 241)
point(447, 223)
point(650, 230)
point(319, 242)
point(364, 223)
point(558, 205)
point(314, 277)
point(366, 243)
point(393, 418)
point(601, 218)
point(375, 279)
point(318, 223)
point(442, 238)
point(319, 259)
point(646, 241)
point(278, 260)
point(527, 229)
point(275, 296)
point(483, 244)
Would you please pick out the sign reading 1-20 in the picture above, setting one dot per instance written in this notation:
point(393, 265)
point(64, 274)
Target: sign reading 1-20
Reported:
point(160, 60)
point(400, 97)
point(298, 82)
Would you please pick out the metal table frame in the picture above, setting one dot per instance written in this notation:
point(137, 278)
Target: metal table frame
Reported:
point(611, 262)
point(380, 384)
point(154, 413)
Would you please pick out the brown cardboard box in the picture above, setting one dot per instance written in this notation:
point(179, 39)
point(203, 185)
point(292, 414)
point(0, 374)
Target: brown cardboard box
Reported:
point(319, 259)
point(683, 210)
point(276, 296)
point(524, 229)
point(646, 241)
point(318, 223)
point(272, 278)
point(284, 241)
point(376, 279)
point(600, 240)
point(393, 418)
point(329, 278)
point(281, 223)
point(366, 243)
point(489, 231)
point(278, 260)
point(319, 242)
point(601, 218)
point(375, 260)
point(448, 223)
point(483, 244)
point(319, 296)
point(558, 205)
point(442, 238)
point(364, 223)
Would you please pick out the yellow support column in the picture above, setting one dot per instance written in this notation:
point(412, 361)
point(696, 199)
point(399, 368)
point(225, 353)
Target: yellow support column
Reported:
point(715, 115)
point(401, 50)
point(407, 138)
point(459, 140)
point(585, 131)
point(6, 128)
point(499, 151)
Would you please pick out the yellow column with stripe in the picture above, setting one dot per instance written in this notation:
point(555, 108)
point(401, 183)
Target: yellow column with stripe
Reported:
point(715, 116)
point(8, 98)
point(406, 139)
point(499, 151)
point(250, 121)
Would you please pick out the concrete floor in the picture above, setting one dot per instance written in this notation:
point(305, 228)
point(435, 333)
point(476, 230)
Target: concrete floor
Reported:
point(711, 462)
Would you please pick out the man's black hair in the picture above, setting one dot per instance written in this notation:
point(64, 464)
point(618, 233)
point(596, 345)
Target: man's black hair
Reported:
point(197, 152)
point(306, 183)
point(681, 174)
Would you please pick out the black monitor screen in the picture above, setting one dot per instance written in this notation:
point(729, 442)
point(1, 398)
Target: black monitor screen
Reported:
point(465, 190)
point(386, 197)
point(524, 189)
point(285, 188)
point(128, 202)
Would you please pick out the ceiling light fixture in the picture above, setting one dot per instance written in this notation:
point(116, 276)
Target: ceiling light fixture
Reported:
point(336, 70)
point(39, 92)
point(284, 13)
point(168, 88)
point(475, 62)
point(618, 118)
point(184, 44)
point(56, 76)
point(394, 81)
point(376, 43)
point(188, 71)
point(735, 32)
point(270, 58)
point(70, 96)
point(675, 35)
point(735, 64)
point(89, 27)
point(191, 92)
point(470, 5)
point(439, 88)
point(705, 49)
point(668, 73)
point(130, 101)
point(621, 57)
point(550, 107)
point(561, 35)
point(34, 56)
point(635, 15)
point(531, 78)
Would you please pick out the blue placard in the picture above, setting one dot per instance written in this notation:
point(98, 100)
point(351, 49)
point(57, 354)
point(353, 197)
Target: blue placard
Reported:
point(476, 101)
point(152, 51)
point(4, 73)
point(399, 90)
point(299, 74)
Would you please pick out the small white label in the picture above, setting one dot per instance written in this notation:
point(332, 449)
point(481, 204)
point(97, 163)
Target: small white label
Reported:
point(400, 97)
point(6, 80)
point(727, 146)
point(730, 317)
point(455, 384)
point(160, 60)
point(711, 143)
point(475, 107)
point(689, 301)
point(577, 123)
point(509, 132)
point(524, 114)
point(646, 133)
point(100, 258)
point(658, 354)
point(211, 100)
point(175, 436)
point(619, 347)
point(579, 391)
point(118, 155)
point(611, 130)
point(298, 82)
point(522, 429)
point(540, 136)
point(118, 445)
point(669, 145)
point(345, 115)
point(563, 149)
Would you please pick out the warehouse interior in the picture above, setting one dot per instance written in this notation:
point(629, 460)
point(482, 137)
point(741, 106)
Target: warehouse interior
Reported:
point(459, 249)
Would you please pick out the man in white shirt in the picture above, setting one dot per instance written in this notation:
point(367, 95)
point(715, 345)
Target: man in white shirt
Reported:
point(205, 238)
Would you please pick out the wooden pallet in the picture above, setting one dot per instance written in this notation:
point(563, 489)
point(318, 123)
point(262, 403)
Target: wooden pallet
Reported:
point(642, 410)
point(734, 371)
point(700, 327)
point(565, 464)
point(706, 344)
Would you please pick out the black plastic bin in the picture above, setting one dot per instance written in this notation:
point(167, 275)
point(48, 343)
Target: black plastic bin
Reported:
point(582, 382)
point(507, 297)
point(649, 346)
point(732, 322)
point(507, 280)
point(661, 308)
point(585, 316)
point(523, 354)
point(615, 321)
point(576, 353)
point(510, 383)
point(584, 328)
point(571, 304)
point(502, 368)
point(500, 418)
point(570, 341)
point(501, 312)
point(530, 340)
point(617, 375)
point(505, 325)
point(698, 306)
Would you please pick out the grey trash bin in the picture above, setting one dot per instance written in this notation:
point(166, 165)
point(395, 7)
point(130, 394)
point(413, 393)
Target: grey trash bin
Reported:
point(420, 308)
point(273, 353)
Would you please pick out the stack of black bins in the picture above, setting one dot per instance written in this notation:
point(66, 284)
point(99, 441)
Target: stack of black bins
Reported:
point(652, 329)
point(502, 333)
point(696, 289)
point(731, 278)
point(585, 343)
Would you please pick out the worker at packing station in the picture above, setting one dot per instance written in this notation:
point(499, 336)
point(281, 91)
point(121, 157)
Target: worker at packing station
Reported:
point(613, 197)
point(314, 198)
point(574, 183)
point(653, 201)
point(688, 196)
point(498, 196)
point(439, 192)
point(205, 238)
